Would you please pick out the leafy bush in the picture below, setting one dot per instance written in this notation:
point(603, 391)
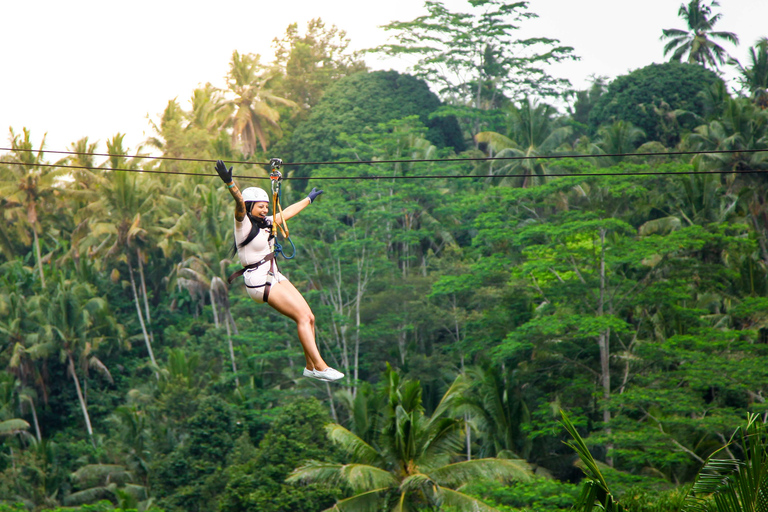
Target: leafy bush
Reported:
point(648, 98)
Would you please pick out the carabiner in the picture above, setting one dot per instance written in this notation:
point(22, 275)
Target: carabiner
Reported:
point(275, 176)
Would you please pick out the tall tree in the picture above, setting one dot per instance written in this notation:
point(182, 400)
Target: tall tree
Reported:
point(116, 229)
point(410, 464)
point(252, 114)
point(73, 322)
point(754, 77)
point(474, 59)
point(698, 41)
point(25, 185)
point(533, 129)
point(310, 62)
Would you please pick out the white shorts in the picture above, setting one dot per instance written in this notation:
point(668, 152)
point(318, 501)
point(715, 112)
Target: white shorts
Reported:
point(256, 279)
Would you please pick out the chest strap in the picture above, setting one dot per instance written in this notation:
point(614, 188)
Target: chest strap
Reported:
point(268, 257)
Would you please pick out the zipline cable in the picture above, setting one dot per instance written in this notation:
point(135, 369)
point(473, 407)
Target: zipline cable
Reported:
point(425, 160)
point(411, 177)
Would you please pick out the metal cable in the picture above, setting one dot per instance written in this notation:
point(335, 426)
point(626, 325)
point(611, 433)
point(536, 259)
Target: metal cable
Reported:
point(415, 176)
point(426, 160)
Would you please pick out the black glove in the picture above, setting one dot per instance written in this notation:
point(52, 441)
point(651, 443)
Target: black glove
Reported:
point(224, 173)
point(313, 194)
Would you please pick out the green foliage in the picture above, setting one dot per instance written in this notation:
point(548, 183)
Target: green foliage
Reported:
point(474, 58)
point(540, 494)
point(192, 475)
point(409, 464)
point(256, 479)
point(636, 302)
point(360, 102)
point(654, 96)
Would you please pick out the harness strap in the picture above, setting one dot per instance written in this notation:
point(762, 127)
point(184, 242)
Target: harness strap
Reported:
point(268, 257)
point(267, 286)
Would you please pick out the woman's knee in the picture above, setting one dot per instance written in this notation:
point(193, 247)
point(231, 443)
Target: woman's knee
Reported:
point(308, 317)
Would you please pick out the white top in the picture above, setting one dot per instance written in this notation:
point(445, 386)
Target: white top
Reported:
point(258, 248)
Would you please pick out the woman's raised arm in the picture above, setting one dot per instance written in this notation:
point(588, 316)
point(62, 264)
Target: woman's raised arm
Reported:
point(226, 176)
point(298, 206)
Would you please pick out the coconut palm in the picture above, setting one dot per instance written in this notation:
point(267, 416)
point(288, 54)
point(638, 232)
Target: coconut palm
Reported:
point(251, 110)
point(742, 125)
point(698, 41)
point(24, 186)
point(533, 129)
point(203, 269)
point(619, 138)
point(116, 231)
point(722, 485)
point(72, 323)
point(497, 407)
point(409, 464)
point(10, 425)
point(755, 77)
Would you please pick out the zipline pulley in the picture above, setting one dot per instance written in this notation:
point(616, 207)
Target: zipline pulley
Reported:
point(276, 180)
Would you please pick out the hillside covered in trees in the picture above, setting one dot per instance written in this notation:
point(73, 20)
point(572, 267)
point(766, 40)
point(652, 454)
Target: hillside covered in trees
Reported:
point(468, 301)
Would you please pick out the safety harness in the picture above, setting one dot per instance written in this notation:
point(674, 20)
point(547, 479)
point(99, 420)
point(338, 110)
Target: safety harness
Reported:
point(276, 178)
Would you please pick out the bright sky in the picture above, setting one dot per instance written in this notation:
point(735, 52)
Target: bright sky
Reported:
point(94, 68)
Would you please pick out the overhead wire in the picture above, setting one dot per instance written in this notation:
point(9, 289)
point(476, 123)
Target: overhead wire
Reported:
point(410, 160)
point(407, 177)
point(413, 176)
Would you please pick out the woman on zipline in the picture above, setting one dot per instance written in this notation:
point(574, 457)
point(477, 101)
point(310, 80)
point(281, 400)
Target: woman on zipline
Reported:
point(255, 242)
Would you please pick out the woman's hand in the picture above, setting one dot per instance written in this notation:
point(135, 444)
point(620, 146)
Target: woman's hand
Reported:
point(224, 173)
point(313, 194)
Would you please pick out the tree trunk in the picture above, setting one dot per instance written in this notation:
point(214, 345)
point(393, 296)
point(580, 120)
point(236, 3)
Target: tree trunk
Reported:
point(141, 318)
point(39, 258)
point(81, 399)
point(232, 321)
point(333, 406)
point(232, 355)
point(604, 345)
point(143, 286)
point(38, 434)
point(213, 307)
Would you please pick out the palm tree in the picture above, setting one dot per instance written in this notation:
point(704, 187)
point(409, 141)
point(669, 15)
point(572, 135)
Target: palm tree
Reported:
point(203, 269)
point(252, 114)
point(73, 322)
point(116, 230)
point(755, 77)
point(722, 485)
point(698, 40)
point(741, 126)
point(497, 407)
point(533, 129)
point(621, 137)
point(409, 464)
point(25, 185)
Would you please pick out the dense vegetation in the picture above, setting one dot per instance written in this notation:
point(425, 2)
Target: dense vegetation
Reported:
point(466, 313)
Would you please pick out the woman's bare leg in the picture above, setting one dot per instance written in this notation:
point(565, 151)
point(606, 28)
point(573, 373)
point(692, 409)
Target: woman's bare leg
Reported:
point(286, 299)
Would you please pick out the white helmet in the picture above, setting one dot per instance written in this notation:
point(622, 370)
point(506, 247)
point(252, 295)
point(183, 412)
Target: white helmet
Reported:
point(255, 194)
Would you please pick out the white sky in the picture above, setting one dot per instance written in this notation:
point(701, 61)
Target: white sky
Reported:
point(94, 67)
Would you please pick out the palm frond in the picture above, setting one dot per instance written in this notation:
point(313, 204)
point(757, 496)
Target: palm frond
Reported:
point(362, 477)
point(462, 501)
point(595, 491)
point(13, 426)
point(101, 474)
point(459, 473)
point(734, 485)
point(663, 225)
point(87, 496)
point(370, 501)
point(495, 141)
point(314, 471)
point(352, 444)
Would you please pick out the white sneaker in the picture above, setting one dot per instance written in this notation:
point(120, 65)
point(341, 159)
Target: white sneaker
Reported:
point(328, 375)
